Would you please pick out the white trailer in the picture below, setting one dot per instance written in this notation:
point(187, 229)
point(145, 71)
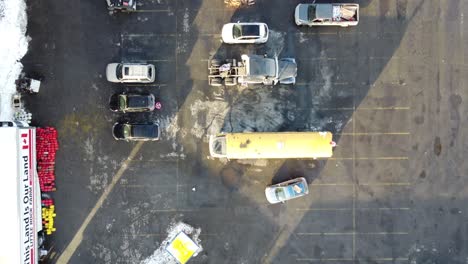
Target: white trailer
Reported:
point(21, 218)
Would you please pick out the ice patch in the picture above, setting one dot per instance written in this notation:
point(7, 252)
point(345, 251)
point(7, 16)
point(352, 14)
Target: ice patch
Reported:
point(14, 45)
point(161, 256)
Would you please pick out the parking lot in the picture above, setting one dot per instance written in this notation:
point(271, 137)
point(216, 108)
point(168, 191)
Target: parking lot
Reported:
point(390, 89)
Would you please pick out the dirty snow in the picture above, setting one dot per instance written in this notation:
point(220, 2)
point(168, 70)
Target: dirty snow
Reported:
point(275, 43)
point(161, 256)
point(14, 45)
point(212, 115)
point(259, 110)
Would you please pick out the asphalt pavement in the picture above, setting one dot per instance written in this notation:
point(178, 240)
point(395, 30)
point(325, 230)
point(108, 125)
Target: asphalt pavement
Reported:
point(390, 89)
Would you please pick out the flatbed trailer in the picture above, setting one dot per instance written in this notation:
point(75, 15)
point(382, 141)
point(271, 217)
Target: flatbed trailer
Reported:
point(225, 71)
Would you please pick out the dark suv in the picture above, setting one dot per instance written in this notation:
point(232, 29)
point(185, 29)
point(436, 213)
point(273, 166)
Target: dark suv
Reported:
point(136, 131)
point(132, 102)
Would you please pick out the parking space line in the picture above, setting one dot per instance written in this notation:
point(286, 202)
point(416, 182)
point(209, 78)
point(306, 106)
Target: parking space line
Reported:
point(350, 259)
point(365, 108)
point(165, 234)
point(160, 60)
point(78, 237)
point(351, 233)
point(364, 184)
point(309, 83)
point(358, 209)
point(354, 178)
point(369, 158)
point(152, 84)
point(149, 35)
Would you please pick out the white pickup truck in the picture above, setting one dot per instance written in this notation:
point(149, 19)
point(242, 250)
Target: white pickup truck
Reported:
point(336, 14)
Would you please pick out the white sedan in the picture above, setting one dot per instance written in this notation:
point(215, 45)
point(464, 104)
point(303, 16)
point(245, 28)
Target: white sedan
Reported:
point(245, 33)
point(286, 190)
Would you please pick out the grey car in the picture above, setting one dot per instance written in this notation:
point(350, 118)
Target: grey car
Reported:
point(286, 190)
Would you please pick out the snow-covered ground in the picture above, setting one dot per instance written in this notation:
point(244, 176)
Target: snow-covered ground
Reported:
point(13, 46)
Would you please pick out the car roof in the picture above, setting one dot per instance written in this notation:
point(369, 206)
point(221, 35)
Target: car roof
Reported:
point(323, 10)
point(136, 70)
point(145, 130)
point(138, 100)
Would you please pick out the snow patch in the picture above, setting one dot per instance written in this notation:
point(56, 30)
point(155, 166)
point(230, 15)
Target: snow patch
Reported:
point(161, 256)
point(14, 45)
point(169, 129)
point(185, 22)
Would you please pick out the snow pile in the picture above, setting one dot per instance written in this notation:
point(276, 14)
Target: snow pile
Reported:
point(161, 256)
point(14, 45)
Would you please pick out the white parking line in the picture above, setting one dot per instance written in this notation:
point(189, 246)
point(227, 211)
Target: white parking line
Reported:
point(358, 209)
point(366, 260)
point(351, 233)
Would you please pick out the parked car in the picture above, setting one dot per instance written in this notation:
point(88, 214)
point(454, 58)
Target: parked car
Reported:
point(136, 131)
point(132, 102)
point(240, 33)
point(130, 72)
point(335, 14)
point(286, 190)
point(252, 69)
point(121, 5)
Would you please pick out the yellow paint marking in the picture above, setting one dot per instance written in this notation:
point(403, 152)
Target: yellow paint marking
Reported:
point(76, 241)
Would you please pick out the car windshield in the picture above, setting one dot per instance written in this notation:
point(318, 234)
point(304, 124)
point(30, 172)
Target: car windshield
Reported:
point(122, 102)
point(119, 71)
point(236, 31)
point(127, 130)
point(219, 146)
point(311, 12)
